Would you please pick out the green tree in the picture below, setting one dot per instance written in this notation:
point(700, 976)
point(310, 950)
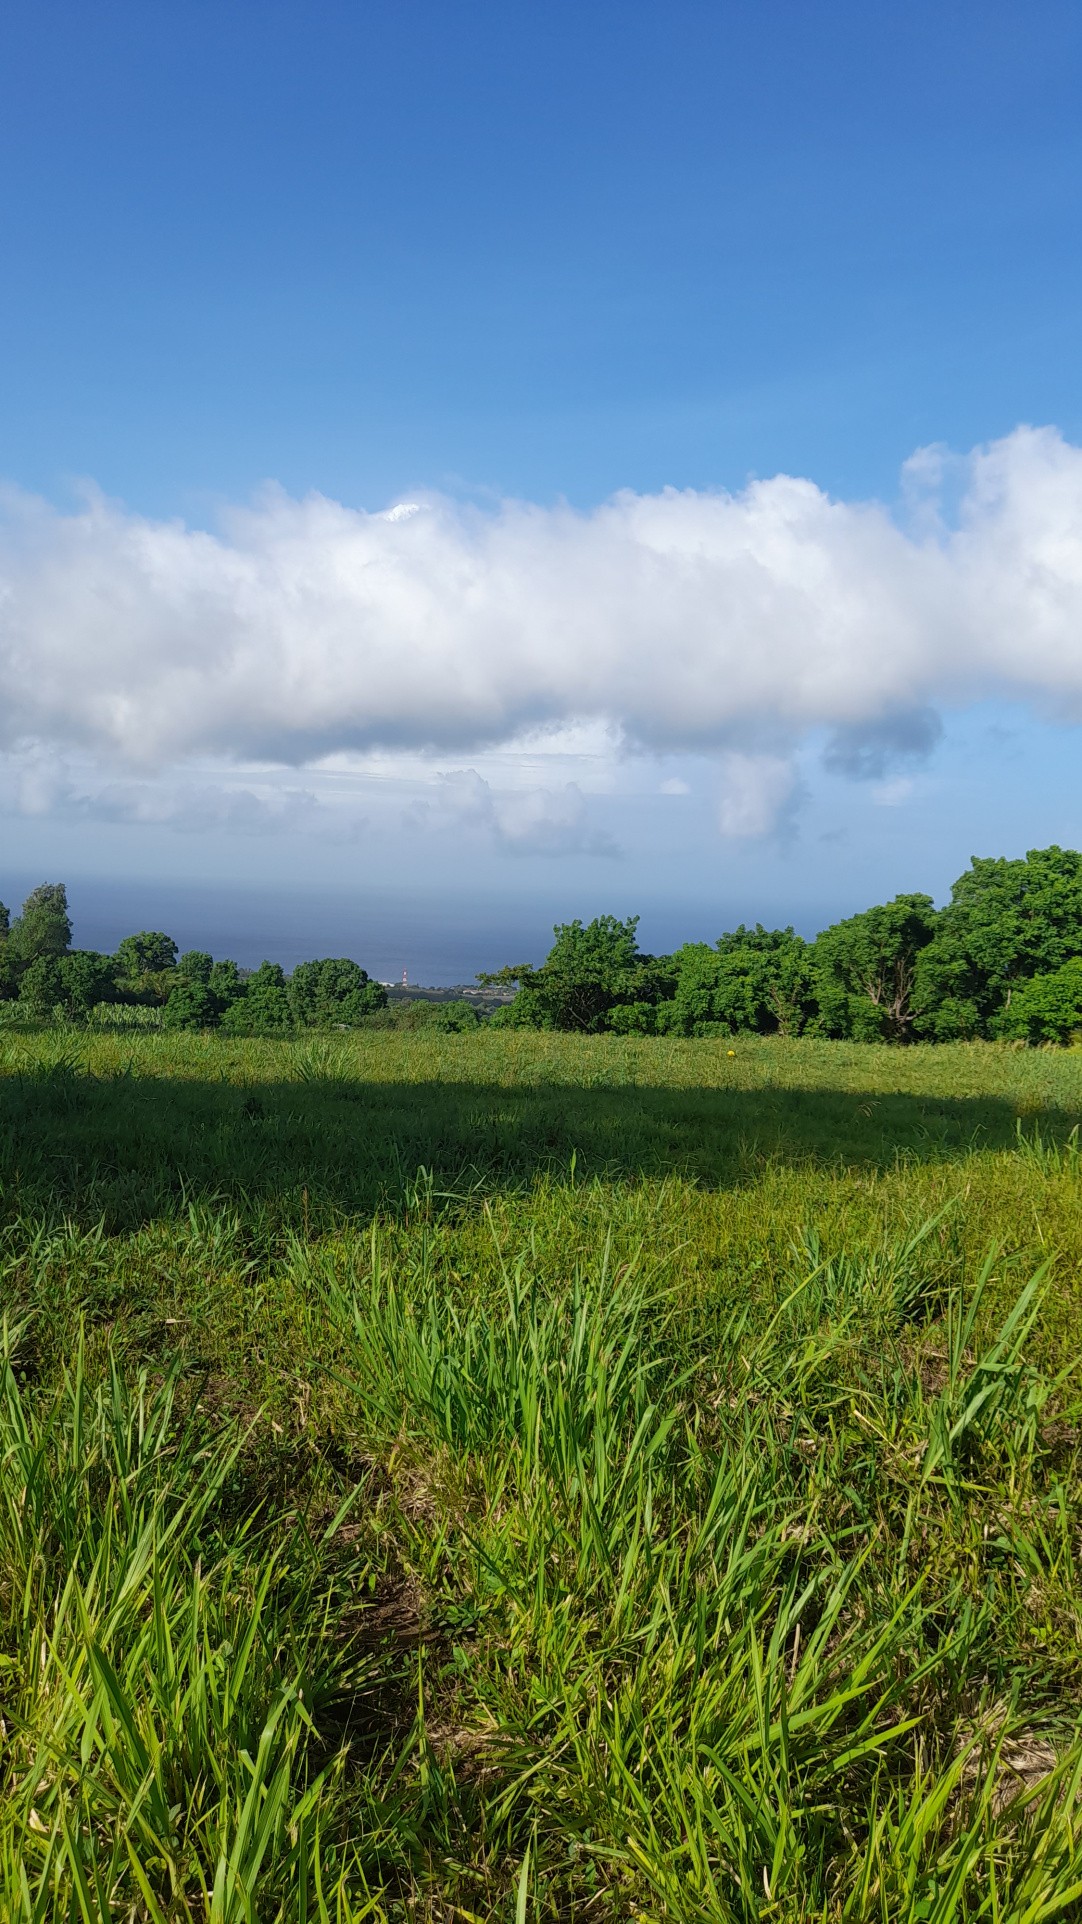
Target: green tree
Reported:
point(865, 970)
point(454, 1018)
point(200, 990)
point(226, 983)
point(1048, 1008)
point(44, 927)
point(326, 993)
point(1006, 922)
point(264, 1007)
point(192, 1004)
point(753, 980)
point(86, 979)
point(590, 970)
point(148, 953)
point(8, 977)
point(146, 965)
point(40, 987)
point(70, 985)
point(196, 965)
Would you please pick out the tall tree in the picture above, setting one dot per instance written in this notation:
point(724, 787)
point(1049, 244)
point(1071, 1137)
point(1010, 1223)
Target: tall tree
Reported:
point(44, 927)
point(196, 965)
point(591, 969)
point(225, 983)
point(1006, 922)
point(755, 981)
point(324, 994)
point(866, 968)
point(146, 965)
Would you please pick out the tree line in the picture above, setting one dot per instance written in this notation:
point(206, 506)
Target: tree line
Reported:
point(41, 971)
point(1002, 960)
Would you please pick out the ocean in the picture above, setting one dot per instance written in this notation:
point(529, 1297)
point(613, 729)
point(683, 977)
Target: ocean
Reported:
point(440, 940)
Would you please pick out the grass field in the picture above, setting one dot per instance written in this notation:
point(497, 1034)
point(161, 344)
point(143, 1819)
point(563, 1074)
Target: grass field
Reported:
point(509, 1476)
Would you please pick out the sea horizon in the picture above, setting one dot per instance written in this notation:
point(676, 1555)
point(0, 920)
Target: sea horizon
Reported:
point(441, 940)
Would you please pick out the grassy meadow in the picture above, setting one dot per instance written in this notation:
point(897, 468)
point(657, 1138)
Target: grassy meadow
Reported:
point(509, 1476)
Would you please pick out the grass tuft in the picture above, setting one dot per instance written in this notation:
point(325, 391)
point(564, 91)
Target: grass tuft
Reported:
point(462, 1479)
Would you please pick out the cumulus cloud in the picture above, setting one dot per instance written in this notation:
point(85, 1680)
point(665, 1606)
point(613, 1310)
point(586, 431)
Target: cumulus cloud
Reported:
point(758, 794)
point(532, 821)
point(684, 621)
point(39, 785)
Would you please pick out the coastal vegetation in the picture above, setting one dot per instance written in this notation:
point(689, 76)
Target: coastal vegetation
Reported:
point(1002, 960)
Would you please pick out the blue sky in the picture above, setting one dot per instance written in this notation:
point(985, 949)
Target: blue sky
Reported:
point(463, 255)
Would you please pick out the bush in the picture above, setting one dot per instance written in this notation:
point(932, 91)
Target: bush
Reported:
point(40, 988)
point(454, 1017)
point(634, 1018)
point(522, 1013)
point(590, 970)
point(192, 1005)
point(1049, 1007)
point(264, 1007)
point(125, 1015)
point(70, 985)
point(417, 1013)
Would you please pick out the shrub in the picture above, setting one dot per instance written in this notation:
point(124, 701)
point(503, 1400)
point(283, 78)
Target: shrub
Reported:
point(417, 1013)
point(327, 993)
point(1049, 1007)
point(192, 1005)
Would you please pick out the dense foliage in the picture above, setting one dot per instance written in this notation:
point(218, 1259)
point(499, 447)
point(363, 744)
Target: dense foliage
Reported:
point(1003, 960)
point(48, 979)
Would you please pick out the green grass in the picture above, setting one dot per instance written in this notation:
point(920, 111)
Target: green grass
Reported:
point(506, 1476)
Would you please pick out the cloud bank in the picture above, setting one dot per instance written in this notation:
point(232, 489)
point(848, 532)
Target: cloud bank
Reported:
point(41, 784)
point(729, 623)
point(531, 821)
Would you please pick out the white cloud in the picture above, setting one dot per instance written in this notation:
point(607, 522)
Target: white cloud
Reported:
point(532, 821)
point(674, 786)
point(757, 794)
point(198, 808)
point(693, 622)
point(38, 785)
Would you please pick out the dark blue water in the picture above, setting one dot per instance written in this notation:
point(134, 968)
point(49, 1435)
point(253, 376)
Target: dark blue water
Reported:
point(439, 940)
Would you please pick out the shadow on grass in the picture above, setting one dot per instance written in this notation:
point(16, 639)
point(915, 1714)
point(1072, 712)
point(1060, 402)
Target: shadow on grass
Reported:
point(307, 1153)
